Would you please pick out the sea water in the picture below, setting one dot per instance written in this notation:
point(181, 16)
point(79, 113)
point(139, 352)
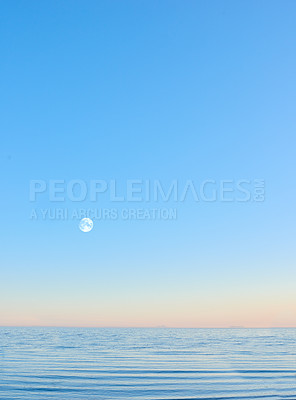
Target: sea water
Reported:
point(146, 364)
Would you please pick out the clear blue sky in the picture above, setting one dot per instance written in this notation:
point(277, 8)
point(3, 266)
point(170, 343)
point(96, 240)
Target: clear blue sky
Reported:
point(149, 90)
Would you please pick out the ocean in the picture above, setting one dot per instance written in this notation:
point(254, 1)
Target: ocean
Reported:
point(147, 364)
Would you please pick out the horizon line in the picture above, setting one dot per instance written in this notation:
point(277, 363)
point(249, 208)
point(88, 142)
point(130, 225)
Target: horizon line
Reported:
point(146, 327)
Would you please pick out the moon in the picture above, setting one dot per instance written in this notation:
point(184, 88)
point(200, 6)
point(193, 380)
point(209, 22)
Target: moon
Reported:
point(86, 225)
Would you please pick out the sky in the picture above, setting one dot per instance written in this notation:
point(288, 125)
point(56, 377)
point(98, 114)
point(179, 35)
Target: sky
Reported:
point(168, 91)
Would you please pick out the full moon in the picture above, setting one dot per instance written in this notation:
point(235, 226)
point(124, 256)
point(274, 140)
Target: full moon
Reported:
point(86, 225)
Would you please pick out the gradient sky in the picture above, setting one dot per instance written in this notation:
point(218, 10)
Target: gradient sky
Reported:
point(149, 90)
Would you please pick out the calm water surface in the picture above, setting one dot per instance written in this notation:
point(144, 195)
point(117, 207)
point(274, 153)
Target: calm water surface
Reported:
point(158, 364)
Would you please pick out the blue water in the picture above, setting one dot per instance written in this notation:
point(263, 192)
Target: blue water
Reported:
point(166, 364)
